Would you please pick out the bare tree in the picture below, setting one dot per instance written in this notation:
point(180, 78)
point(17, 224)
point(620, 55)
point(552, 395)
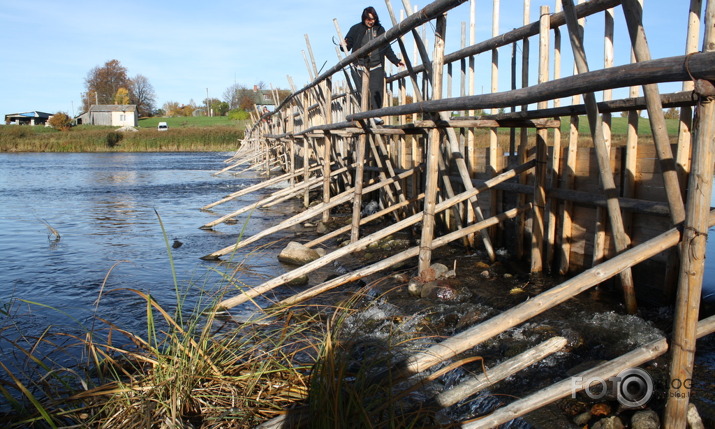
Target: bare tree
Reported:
point(142, 94)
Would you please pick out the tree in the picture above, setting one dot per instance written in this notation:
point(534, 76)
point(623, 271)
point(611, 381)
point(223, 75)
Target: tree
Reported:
point(60, 121)
point(102, 84)
point(122, 96)
point(142, 94)
point(672, 113)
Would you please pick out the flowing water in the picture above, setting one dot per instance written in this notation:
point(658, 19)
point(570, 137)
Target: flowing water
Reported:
point(107, 209)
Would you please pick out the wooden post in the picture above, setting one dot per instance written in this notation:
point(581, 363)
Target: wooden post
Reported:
point(633, 13)
point(554, 161)
point(693, 246)
point(433, 153)
point(620, 238)
point(327, 148)
point(682, 158)
point(537, 218)
point(522, 153)
point(494, 152)
point(360, 158)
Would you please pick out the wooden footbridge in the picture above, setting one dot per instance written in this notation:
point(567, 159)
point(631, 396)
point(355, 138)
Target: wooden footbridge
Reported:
point(478, 169)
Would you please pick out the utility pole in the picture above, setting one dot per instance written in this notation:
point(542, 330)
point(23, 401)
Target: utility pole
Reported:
point(208, 112)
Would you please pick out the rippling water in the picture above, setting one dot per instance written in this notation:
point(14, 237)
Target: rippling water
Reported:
point(105, 208)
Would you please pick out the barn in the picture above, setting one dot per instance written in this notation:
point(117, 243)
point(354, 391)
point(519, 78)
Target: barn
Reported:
point(116, 115)
point(28, 118)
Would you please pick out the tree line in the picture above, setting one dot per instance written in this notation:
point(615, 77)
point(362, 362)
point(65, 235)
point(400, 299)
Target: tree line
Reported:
point(111, 84)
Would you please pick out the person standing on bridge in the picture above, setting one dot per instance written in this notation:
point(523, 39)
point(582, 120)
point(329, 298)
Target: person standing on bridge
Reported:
point(358, 36)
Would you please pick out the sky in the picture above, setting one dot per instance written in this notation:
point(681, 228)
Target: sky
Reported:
point(187, 50)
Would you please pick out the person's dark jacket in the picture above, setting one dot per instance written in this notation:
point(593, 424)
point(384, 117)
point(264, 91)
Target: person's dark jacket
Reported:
point(360, 34)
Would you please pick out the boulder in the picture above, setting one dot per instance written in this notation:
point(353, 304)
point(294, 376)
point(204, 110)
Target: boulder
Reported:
point(297, 254)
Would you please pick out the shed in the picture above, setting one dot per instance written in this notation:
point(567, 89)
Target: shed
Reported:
point(28, 118)
point(116, 115)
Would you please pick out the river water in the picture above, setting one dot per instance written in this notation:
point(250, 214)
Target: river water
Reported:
point(107, 209)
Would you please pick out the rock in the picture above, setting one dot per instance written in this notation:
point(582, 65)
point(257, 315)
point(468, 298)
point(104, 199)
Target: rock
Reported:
point(401, 277)
point(449, 274)
point(582, 419)
point(321, 228)
point(439, 269)
point(693, 418)
point(176, 244)
point(297, 254)
point(415, 286)
point(299, 281)
point(609, 423)
point(485, 274)
point(481, 264)
point(646, 419)
point(322, 252)
point(601, 409)
point(427, 288)
point(507, 276)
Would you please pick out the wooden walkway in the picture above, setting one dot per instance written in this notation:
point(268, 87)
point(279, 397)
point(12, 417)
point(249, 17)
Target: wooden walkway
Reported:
point(583, 205)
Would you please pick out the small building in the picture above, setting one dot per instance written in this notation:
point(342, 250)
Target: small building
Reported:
point(28, 118)
point(115, 115)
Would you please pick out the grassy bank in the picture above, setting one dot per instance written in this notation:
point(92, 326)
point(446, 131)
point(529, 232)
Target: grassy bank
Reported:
point(184, 134)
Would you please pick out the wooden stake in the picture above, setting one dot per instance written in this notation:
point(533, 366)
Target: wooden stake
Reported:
point(693, 248)
point(620, 238)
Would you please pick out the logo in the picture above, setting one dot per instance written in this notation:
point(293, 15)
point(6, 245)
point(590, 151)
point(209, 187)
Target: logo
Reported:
point(632, 387)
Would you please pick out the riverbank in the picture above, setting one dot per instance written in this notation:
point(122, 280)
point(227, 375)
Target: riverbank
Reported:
point(184, 135)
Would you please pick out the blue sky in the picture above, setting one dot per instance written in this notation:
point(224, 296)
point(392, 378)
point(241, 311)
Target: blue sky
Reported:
point(185, 48)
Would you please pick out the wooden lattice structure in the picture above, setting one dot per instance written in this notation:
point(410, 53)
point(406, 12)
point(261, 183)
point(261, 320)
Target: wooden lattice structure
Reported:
point(590, 207)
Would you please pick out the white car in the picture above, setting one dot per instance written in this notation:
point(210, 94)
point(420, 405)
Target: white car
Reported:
point(162, 126)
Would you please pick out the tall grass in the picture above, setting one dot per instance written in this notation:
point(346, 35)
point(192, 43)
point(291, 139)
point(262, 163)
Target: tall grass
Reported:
point(14, 138)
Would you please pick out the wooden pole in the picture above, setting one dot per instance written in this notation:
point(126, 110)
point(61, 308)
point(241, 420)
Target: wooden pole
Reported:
point(567, 387)
point(621, 240)
point(433, 154)
point(327, 149)
point(634, 14)
point(360, 157)
point(494, 375)
point(479, 333)
point(693, 245)
point(537, 214)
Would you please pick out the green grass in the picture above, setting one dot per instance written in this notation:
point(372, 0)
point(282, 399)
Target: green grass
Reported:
point(194, 121)
point(619, 126)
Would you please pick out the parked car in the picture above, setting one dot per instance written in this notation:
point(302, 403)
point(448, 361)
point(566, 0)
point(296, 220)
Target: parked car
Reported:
point(162, 126)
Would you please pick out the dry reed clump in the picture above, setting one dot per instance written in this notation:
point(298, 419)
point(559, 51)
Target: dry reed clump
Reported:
point(204, 373)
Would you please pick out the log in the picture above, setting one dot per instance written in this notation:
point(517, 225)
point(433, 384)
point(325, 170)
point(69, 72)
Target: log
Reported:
point(475, 335)
point(575, 383)
point(494, 375)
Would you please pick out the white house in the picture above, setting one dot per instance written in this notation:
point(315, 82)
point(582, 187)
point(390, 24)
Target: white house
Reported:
point(116, 115)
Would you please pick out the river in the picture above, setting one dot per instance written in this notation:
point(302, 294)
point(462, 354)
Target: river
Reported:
point(107, 209)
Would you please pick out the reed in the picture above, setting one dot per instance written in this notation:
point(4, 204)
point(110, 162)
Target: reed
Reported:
point(85, 138)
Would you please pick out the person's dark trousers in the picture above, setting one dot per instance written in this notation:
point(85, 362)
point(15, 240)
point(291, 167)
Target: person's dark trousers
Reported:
point(376, 85)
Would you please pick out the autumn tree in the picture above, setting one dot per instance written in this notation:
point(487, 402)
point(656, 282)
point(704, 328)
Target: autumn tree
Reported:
point(122, 96)
point(102, 84)
point(60, 121)
point(141, 92)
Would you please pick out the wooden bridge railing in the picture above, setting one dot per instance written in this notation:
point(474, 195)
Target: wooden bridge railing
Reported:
point(581, 202)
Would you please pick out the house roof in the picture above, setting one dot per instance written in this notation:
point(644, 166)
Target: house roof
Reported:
point(113, 108)
point(33, 114)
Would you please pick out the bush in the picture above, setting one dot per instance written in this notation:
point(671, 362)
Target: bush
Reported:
point(113, 138)
point(238, 115)
point(60, 121)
